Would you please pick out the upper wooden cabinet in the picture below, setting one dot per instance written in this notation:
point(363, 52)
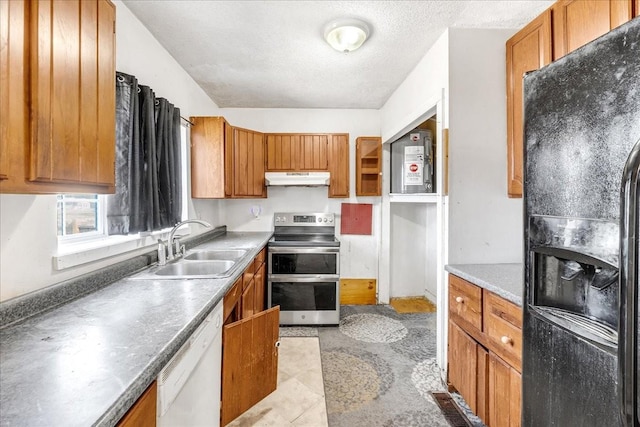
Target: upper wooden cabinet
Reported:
point(226, 161)
point(369, 166)
point(58, 96)
point(247, 152)
point(311, 152)
point(339, 165)
point(297, 152)
point(564, 27)
point(527, 50)
point(577, 22)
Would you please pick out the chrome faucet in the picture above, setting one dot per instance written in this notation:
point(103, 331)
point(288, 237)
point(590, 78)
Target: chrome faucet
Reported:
point(171, 255)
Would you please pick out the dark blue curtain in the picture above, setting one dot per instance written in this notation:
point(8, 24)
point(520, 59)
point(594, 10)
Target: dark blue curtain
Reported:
point(148, 170)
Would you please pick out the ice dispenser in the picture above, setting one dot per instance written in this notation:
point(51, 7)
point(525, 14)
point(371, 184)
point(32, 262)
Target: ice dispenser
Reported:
point(577, 290)
point(412, 163)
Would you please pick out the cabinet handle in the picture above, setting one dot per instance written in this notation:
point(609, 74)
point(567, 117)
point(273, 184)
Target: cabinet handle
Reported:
point(459, 300)
point(506, 340)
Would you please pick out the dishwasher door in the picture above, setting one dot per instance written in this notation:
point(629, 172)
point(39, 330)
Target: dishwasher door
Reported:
point(189, 386)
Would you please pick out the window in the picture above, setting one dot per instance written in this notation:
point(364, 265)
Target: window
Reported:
point(82, 216)
point(79, 215)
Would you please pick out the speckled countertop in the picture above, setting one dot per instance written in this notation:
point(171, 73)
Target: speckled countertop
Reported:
point(505, 280)
point(86, 362)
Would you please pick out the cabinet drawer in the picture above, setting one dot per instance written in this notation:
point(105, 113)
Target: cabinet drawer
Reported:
point(503, 328)
point(231, 298)
point(465, 301)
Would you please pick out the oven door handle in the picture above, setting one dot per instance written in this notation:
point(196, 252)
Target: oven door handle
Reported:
point(303, 278)
point(300, 250)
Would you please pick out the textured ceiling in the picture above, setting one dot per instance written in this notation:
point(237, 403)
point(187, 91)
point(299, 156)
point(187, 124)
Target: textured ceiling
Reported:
point(271, 54)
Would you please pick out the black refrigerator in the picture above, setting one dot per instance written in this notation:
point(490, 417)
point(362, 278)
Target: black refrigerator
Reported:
point(581, 220)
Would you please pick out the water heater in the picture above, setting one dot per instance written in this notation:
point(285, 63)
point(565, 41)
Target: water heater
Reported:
point(412, 163)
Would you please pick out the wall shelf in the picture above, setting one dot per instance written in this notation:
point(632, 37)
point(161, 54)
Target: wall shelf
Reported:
point(369, 166)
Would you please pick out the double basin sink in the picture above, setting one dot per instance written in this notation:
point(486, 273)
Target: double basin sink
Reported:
point(197, 264)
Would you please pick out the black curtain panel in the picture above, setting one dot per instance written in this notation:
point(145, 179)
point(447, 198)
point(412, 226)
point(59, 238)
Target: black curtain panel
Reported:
point(148, 168)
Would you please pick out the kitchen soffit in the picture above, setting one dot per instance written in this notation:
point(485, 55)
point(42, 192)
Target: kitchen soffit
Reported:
point(271, 54)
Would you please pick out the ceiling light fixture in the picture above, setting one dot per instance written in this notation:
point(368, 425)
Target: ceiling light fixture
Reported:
point(346, 35)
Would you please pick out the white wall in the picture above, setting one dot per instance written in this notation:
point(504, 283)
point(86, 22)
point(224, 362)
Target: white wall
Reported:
point(485, 226)
point(417, 93)
point(406, 108)
point(358, 254)
point(28, 223)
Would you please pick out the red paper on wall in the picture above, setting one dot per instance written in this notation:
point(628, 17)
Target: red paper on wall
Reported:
point(356, 218)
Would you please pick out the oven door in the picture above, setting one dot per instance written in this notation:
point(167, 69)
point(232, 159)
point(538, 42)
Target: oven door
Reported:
point(305, 300)
point(304, 261)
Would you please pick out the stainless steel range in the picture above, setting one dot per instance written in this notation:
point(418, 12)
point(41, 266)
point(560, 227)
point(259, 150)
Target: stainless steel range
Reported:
point(304, 269)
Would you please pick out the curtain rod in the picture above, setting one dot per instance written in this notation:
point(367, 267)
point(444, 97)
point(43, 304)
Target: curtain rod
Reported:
point(188, 121)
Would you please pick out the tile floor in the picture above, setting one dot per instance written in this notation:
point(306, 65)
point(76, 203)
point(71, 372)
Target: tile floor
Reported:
point(299, 399)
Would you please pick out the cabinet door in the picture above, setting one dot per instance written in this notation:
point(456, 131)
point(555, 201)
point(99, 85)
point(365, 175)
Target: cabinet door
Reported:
point(143, 412)
point(463, 362)
point(259, 284)
point(248, 299)
point(281, 151)
point(248, 164)
point(577, 22)
point(636, 8)
point(72, 92)
point(250, 360)
point(369, 166)
point(482, 389)
point(312, 153)
point(504, 394)
point(13, 101)
point(339, 165)
point(527, 50)
point(208, 137)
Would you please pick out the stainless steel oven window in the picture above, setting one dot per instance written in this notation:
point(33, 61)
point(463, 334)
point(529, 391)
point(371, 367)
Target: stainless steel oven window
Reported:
point(298, 261)
point(300, 295)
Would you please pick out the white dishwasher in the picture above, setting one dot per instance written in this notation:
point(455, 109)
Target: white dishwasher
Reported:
point(189, 385)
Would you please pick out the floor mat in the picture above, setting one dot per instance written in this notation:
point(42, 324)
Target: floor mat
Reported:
point(298, 331)
point(379, 369)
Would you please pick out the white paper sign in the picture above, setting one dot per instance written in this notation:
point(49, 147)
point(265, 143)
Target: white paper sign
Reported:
point(413, 165)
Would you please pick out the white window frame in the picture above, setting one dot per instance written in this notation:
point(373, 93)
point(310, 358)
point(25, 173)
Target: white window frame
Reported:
point(98, 233)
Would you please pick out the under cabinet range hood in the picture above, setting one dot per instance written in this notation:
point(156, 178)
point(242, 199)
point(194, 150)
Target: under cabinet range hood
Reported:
point(302, 179)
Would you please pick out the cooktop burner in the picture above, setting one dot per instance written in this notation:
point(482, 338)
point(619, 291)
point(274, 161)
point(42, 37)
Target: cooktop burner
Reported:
point(304, 229)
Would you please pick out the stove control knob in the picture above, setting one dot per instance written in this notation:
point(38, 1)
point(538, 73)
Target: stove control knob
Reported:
point(330, 219)
point(277, 219)
point(319, 219)
point(325, 220)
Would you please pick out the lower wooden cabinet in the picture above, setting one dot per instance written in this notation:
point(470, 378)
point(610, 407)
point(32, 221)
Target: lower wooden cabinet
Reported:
point(249, 343)
point(484, 361)
point(463, 364)
point(504, 393)
point(143, 412)
point(249, 362)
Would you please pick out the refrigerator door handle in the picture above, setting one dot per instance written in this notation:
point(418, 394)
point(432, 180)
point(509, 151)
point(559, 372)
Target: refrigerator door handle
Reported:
point(627, 335)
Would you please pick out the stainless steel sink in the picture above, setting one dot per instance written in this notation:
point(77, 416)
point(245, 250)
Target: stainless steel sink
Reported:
point(181, 269)
point(215, 254)
point(206, 268)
